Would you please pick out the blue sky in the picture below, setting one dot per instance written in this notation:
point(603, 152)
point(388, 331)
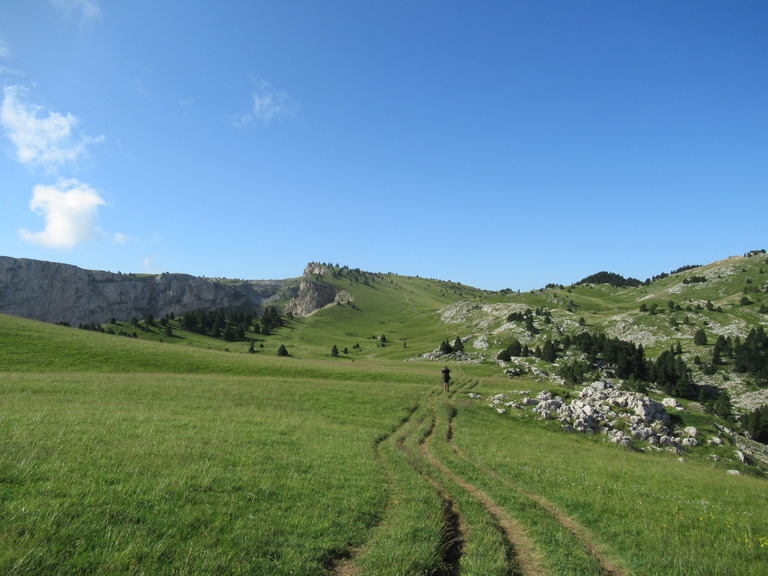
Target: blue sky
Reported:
point(500, 144)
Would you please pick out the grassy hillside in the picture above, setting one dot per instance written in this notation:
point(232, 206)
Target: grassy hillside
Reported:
point(403, 309)
point(186, 454)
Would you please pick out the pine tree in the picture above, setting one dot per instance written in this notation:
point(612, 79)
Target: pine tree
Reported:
point(548, 352)
point(529, 326)
point(515, 349)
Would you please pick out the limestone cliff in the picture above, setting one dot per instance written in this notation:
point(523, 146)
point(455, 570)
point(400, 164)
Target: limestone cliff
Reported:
point(54, 292)
point(315, 294)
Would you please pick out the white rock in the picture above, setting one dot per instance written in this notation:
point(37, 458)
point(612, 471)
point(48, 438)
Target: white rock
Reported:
point(670, 403)
point(691, 432)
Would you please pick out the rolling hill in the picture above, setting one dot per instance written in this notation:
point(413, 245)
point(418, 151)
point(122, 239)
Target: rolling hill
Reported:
point(183, 443)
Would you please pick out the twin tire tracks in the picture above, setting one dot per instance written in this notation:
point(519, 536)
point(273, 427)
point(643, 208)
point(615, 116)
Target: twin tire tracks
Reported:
point(523, 556)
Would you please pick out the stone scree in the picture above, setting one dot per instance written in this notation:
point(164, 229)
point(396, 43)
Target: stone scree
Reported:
point(623, 416)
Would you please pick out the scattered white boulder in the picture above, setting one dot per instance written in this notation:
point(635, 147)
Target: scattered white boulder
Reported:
point(670, 403)
point(626, 418)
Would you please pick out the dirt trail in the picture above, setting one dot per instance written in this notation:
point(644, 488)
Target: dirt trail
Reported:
point(345, 566)
point(527, 558)
point(582, 534)
point(523, 552)
point(455, 526)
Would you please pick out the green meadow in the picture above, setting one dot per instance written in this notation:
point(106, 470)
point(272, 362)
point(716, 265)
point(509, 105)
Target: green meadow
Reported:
point(190, 455)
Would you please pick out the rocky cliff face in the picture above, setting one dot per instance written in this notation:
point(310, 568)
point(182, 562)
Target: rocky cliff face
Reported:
point(54, 292)
point(315, 294)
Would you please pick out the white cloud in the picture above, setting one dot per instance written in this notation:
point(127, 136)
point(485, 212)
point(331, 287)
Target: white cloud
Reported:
point(267, 104)
point(5, 52)
point(88, 9)
point(49, 141)
point(6, 70)
point(70, 209)
point(149, 265)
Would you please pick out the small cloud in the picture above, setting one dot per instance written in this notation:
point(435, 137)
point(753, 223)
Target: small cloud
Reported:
point(120, 238)
point(268, 103)
point(49, 141)
point(149, 265)
point(88, 9)
point(5, 54)
point(186, 106)
point(6, 70)
point(140, 88)
point(70, 209)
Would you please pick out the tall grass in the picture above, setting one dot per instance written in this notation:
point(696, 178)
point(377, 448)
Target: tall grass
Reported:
point(658, 515)
point(172, 474)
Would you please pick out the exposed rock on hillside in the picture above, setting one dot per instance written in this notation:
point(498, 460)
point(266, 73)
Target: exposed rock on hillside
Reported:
point(629, 419)
point(54, 292)
point(315, 294)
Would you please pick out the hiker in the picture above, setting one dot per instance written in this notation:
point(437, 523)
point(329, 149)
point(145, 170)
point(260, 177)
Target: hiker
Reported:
point(446, 379)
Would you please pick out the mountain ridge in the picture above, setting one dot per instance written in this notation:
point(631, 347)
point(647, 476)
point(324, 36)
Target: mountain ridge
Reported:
point(57, 292)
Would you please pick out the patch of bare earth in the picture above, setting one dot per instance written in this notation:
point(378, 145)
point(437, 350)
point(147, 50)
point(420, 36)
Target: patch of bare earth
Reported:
point(346, 567)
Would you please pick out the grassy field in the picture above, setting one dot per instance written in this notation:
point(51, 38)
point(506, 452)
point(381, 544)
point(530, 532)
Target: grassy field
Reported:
point(141, 456)
point(195, 474)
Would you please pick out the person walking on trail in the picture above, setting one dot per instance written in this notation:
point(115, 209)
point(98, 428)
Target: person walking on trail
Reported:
point(446, 379)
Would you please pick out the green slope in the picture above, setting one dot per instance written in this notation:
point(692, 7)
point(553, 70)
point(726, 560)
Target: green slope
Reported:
point(123, 455)
point(403, 309)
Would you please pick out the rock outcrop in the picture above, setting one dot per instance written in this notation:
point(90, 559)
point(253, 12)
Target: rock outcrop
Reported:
point(54, 292)
point(624, 417)
point(315, 294)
